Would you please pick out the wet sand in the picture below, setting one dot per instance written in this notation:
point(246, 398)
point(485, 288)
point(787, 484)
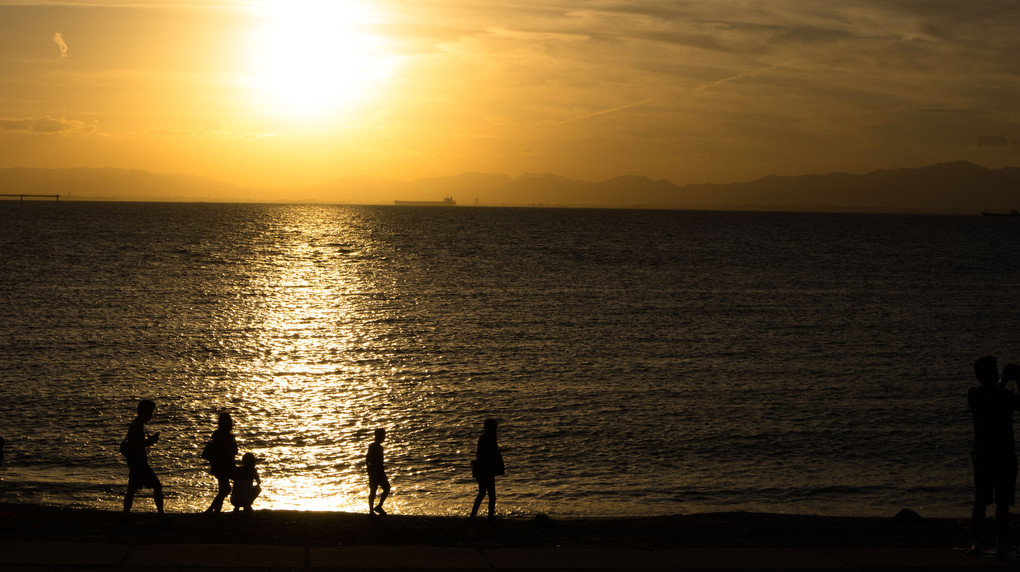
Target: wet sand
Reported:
point(34, 523)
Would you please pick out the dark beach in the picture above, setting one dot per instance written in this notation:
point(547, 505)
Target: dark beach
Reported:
point(34, 523)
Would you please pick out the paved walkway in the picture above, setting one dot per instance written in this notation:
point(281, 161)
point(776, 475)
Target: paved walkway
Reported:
point(237, 557)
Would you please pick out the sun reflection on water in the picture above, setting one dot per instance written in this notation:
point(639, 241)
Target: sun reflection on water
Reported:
point(311, 407)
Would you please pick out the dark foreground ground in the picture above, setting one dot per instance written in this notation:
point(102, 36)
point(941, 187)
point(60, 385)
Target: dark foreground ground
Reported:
point(33, 523)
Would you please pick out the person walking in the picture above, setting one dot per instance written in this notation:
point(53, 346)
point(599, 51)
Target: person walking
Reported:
point(220, 452)
point(487, 465)
point(140, 474)
point(377, 474)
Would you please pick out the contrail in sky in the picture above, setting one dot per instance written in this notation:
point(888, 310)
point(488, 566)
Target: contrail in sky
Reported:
point(704, 87)
point(607, 111)
point(724, 80)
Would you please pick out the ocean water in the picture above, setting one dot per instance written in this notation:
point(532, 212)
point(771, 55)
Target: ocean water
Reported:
point(639, 362)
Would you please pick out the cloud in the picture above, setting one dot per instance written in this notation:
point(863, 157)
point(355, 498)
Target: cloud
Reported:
point(964, 111)
point(992, 141)
point(58, 39)
point(607, 111)
point(41, 125)
point(736, 77)
point(205, 134)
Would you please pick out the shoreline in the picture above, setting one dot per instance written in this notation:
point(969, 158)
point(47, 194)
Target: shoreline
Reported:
point(39, 523)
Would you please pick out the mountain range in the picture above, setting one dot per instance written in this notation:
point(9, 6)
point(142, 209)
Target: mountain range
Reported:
point(959, 187)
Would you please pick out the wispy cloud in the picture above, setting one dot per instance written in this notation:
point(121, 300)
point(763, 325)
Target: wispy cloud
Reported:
point(58, 39)
point(725, 80)
point(41, 125)
point(992, 140)
point(205, 134)
point(607, 111)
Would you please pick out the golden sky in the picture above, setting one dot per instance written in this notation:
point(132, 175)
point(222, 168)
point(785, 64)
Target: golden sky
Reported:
point(287, 93)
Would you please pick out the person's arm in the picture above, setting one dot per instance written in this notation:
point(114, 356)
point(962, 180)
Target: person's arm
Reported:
point(1011, 373)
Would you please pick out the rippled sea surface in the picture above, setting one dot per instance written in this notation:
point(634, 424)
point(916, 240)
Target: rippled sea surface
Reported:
point(640, 362)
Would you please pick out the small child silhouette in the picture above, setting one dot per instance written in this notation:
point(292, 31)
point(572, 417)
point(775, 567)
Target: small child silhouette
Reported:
point(247, 484)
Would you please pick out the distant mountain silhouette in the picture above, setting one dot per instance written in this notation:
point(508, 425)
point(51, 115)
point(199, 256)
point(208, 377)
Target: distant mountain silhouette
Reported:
point(117, 185)
point(959, 187)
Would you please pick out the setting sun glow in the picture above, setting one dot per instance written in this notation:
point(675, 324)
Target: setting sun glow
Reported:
point(295, 100)
point(312, 59)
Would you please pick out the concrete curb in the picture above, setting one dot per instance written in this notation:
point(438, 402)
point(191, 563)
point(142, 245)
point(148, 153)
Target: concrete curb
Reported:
point(63, 553)
point(216, 556)
point(96, 556)
point(396, 557)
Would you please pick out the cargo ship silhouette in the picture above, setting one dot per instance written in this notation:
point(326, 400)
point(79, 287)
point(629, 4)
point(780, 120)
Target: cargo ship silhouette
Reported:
point(447, 202)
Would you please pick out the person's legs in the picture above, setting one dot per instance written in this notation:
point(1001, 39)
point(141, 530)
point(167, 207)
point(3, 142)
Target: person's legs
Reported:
point(382, 498)
point(223, 489)
point(157, 496)
point(491, 486)
point(1002, 522)
point(129, 497)
point(984, 495)
point(371, 498)
point(478, 498)
point(1005, 496)
point(977, 521)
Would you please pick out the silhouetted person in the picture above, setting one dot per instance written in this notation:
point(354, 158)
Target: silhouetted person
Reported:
point(247, 484)
point(140, 474)
point(377, 474)
point(995, 467)
point(2, 443)
point(487, 464)
point(222, 449)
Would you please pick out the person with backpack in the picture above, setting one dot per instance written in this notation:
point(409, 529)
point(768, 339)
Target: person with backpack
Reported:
point(487, 465)
point(220, 451)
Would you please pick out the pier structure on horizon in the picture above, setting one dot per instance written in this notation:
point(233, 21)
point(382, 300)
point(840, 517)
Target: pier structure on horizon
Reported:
point(23, 195)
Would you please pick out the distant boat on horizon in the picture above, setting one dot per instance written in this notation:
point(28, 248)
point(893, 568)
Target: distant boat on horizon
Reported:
point(1013, 212)
point(447, 202)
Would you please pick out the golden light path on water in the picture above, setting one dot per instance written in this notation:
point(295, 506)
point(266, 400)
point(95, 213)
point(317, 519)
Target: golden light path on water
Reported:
point(313, 406)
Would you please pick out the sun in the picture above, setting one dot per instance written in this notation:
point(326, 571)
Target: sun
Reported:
point(313, 59)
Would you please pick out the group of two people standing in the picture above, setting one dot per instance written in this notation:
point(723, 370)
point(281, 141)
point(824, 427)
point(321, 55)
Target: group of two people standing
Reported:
point(994, 453)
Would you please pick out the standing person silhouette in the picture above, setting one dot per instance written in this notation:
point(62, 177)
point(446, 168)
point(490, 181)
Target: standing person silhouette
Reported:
point(222, 449)
point(377, 474)
point(487, 464)
point(140, 474)
point(995, 467)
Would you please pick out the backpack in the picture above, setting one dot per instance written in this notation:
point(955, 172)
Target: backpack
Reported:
point(208, 451)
